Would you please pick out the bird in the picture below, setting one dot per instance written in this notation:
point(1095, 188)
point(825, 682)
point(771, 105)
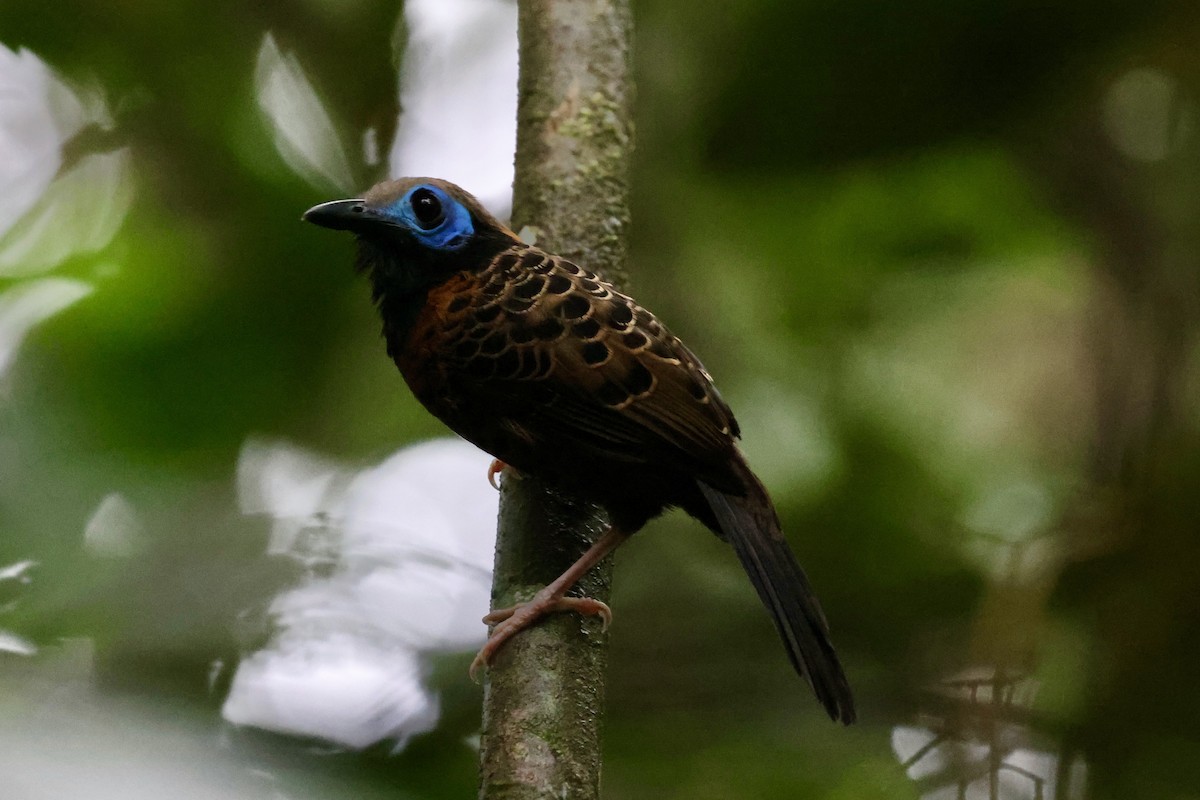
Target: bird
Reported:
point(556, 373)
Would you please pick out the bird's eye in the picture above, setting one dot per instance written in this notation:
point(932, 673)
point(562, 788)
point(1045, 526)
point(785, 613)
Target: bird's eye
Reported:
point(427, 208)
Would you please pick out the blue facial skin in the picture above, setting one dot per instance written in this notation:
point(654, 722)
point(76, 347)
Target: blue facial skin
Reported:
point(454, 231)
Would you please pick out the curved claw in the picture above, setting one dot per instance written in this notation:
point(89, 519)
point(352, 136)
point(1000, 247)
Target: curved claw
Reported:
point(477, 663)
point(496, 467)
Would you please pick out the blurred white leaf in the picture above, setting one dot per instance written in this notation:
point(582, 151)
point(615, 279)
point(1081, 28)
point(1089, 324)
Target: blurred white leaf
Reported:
point(18, 571)
point(38, 113)
point(404, 551)
point(27, 304)
point(289, 483)
point(80, 212)
point(114, 531)
point(459, 95)
point(341, 688)
point(304, 132)
point(11, 643)
point(123, 747)
point(46, 217)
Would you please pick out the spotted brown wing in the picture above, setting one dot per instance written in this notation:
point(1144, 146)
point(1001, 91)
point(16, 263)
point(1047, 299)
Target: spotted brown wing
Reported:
point(562, 356)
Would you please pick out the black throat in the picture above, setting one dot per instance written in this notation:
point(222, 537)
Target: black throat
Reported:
point(400, 284)
point(401, 276)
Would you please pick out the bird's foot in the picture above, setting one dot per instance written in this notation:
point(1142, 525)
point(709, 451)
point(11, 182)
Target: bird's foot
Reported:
point(511, 621)
point(498, 466)
point(514, 619)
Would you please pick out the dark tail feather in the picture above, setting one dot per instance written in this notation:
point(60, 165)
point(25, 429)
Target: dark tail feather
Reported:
point(750, 524)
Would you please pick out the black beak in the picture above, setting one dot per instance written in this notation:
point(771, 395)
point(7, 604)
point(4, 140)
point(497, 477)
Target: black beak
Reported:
point(343, 215)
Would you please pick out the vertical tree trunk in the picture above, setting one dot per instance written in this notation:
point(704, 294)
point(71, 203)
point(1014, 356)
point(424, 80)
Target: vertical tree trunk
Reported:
point(544, 695)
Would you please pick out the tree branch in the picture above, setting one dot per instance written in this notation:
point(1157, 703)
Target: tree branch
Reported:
point(544, 696)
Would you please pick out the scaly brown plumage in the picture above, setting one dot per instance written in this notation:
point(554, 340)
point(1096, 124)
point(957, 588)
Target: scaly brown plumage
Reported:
point(555, 372)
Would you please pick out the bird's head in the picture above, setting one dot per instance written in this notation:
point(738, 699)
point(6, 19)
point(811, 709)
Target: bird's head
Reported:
point(415, 232)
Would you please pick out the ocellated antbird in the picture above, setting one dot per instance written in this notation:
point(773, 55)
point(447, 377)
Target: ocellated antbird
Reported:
point(555, 372)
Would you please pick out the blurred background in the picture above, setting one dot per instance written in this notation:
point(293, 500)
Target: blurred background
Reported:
point(943, 259)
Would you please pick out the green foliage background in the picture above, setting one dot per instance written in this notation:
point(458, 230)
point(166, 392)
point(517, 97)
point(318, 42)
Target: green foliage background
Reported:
point(957, 319)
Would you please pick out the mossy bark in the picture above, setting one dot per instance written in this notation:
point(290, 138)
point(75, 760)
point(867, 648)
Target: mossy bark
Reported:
point(544, 694)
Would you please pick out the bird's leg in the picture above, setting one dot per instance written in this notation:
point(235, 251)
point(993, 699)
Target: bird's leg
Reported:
point(511, 621)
